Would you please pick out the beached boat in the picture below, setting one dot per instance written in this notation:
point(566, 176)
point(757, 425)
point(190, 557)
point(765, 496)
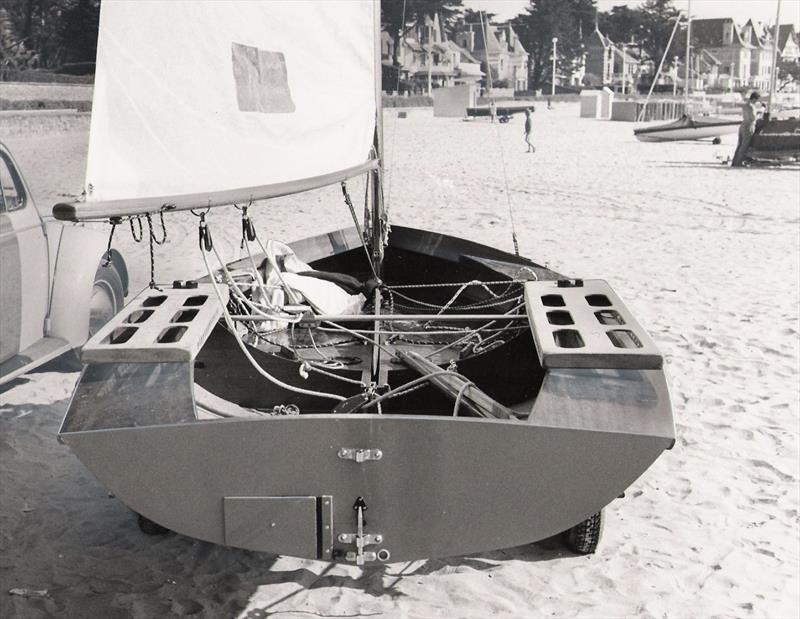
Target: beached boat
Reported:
point(503, 112)
point(689, 126)
point(361, 396)
point(776, 140)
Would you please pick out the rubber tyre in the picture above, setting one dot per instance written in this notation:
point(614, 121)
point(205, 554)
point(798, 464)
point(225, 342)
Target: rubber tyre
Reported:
point(584, 537)
point(107, 297)
point(148, 527)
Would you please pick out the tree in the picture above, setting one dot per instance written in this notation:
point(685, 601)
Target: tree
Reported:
point(788, 73)
point(400, 16)
point(621, 23)
point(545, 19)
point(658, 20)
point(46, 33)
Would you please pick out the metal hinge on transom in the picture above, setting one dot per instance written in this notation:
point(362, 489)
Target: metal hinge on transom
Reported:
point(359, 455)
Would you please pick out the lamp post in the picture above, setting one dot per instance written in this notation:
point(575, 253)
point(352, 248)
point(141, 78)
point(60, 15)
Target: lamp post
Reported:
point(624, 47)
point(553, 83)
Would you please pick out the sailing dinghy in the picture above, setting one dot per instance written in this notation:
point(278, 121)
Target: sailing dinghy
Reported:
point(361, 396)
point(689, 126)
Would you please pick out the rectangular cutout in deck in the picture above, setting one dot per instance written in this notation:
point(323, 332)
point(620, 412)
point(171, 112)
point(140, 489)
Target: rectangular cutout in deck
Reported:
point(560, 317)
point(598, 300)
point(553, 300)
point(120, 335)
point(138, 316)
point(184, 315)
point(568, 338)
point(195, 301)
point(622, 338)
point(171, 335)
point(154, 301)
point(609, 317)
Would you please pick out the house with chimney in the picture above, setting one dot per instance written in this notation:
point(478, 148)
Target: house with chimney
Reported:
point(760, 38)
point(609, 64)
point(726, 42)
point(427, 57)
point(499, 50)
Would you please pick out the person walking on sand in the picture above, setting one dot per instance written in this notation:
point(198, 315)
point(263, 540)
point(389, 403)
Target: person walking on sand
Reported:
point(528, 127)
point(746, 129)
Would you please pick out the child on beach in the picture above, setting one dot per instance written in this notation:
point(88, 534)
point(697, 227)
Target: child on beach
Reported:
point(528, 127)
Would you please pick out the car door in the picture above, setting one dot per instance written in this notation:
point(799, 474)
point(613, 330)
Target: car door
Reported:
point(24, 264)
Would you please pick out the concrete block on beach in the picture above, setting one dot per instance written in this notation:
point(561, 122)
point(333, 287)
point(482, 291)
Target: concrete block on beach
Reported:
point(624, 110)
point(453, 101)
point(606, 101)
point(590, 104)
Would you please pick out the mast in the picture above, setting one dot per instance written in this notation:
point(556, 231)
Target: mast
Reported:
point(688, 57)
point(774, 76)
point(379, 224)
point(485, 28)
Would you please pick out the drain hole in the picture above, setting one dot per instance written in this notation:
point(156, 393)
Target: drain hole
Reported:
point(609, 317)
point(598, 300)
point(568, 338)
point(622, 338)
point(185, 315)
point(560, 317)
point(171, 335)
point(154, 301)
point(553, 300)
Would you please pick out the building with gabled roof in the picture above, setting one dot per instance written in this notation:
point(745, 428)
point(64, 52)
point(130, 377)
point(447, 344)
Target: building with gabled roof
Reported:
point(497, 47)
point(761, 55)
point(788, 43)
point(608, 64)
point(724, 40)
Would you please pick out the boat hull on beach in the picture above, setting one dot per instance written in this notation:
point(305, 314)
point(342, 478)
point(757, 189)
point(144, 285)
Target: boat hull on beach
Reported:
point(410, 483)
point(688, 128)
point(776, 140)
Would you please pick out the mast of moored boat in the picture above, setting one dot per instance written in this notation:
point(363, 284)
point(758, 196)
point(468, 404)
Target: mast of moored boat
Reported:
point(688, 58)
point(379, 224)
point(774, 76)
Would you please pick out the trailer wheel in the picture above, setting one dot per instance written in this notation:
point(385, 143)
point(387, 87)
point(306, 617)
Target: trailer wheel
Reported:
point(584, 537)
point(148, 527)
point(107, 297)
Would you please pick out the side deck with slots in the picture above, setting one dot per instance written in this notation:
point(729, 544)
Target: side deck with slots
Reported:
point(159, 325)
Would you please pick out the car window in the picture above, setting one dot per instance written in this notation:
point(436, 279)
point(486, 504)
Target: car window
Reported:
point(12, 194)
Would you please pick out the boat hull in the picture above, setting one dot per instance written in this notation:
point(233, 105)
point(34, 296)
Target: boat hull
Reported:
point(444, 486)
point(776, 140)
point(687, 128)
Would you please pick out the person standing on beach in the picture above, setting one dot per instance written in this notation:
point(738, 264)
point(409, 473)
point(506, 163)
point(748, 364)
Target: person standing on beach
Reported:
point(492, 110)
point(746, 129)
point(528, 128)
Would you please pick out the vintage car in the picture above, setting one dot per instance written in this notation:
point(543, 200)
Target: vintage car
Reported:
point(57, 282)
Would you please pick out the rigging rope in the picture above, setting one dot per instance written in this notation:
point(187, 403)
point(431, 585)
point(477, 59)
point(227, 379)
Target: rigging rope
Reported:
point(243, 347)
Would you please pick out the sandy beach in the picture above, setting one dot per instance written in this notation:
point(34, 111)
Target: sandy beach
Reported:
point(707, 257)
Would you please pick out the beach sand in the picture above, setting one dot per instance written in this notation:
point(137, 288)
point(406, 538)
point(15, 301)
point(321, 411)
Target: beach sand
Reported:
point(707, 257)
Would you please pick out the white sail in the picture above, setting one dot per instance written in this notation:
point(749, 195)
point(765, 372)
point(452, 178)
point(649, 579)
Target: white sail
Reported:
point(208, 98)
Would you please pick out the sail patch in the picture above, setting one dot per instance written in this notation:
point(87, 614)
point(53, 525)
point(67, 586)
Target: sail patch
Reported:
point(261, 80)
